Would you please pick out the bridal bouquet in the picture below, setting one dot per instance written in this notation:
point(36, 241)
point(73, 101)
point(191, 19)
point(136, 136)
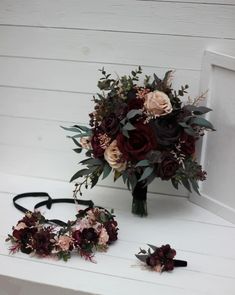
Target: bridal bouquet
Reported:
point(139, 131)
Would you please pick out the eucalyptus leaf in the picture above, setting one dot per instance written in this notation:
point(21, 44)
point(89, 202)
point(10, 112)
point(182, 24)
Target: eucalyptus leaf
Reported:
point(83, 128)
point(158, 80)
point(76, 142)
point(124, 176)
point(72, 129)
point(128, 126)
point(186, 184)
point(183, 124)
point(142, 163)
point(117, 174)
point(79, 135)
point(167, 77)
point(202, 110)
point(106, 171)
point(132, 113)
point(88, 153)
point(141, 257)
point(94, 180)
point(195, 185)
point(202, 122)
point(190, 131)
point(146, 173)
point(150, 178)
point(91, 161)
point(175, 183)
point(78, 150)
point(125, 133)
point(78, 174)
point(133, 181)
point(154, 248)
point(197, 110)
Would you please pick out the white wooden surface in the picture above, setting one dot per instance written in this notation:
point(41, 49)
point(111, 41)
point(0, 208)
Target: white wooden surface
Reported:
point(203, 239)
point(50, 53)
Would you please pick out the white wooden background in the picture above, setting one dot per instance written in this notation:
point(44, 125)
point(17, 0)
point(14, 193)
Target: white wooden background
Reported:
point(50, 53)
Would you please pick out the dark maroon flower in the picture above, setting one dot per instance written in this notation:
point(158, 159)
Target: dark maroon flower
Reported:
point(112, 230)
point(140, 142)
point(131, 94)
point(110, 125)
point(187, 144)
point(121, 111)
point(77, 237)
point(89, 234)
point(24, 234)
point(98, 151)
point(152, 261)
point(162, 257)
point(42, 242)
point(26, 248)
point(169, 265)
point(19, 234)
point(135, 104)
point(167, 130)
point(167, 168)
point(31, 219)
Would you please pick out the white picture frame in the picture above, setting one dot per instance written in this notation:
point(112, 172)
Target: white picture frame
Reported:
point(213, 62)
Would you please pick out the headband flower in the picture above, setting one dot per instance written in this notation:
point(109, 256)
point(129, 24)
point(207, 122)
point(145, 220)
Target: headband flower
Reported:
point(93, 229)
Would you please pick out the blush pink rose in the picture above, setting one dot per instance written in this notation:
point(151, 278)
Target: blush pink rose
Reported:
point(157, 103)
point(64, 242)
point(103, 237)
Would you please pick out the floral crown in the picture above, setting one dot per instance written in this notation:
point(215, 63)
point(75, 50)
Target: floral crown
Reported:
point(93, 229)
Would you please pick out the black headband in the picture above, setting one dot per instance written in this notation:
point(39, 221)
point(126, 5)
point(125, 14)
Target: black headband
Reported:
point(48, 203)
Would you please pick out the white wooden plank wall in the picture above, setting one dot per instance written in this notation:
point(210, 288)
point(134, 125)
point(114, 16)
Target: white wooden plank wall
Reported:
point(50, 53)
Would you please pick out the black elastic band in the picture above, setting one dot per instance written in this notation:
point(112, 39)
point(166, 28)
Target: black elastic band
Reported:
point(48, 203)
point(180, 263)
point(26, 195)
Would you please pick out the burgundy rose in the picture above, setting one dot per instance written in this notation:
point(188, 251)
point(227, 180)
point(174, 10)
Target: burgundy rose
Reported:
point(187, 144)
point(112, 230)
point(110, 125)
point(98, 151)
point(167, 168)
point(141, 140)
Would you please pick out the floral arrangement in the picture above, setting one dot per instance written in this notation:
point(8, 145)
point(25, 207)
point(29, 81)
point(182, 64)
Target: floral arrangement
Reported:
point(94, 229)
point(141, 131)
point(161, 259)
